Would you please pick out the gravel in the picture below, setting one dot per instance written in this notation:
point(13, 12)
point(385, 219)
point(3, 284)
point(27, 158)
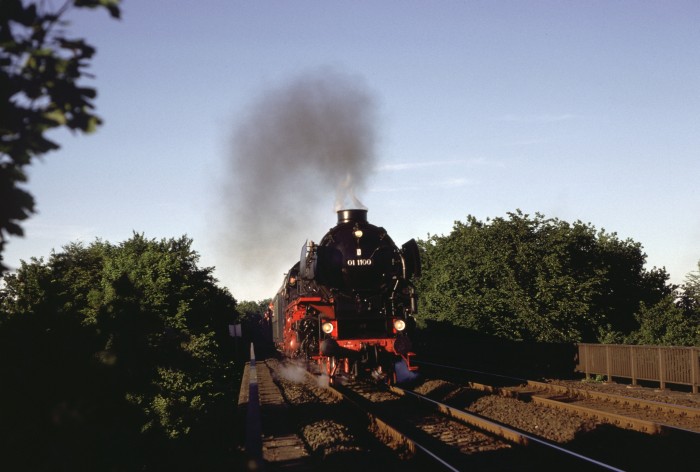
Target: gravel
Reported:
point(554, 425)
point(339, 437)
point(676, 397)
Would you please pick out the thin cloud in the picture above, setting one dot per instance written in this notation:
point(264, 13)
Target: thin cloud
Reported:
point(483, 162)
point(456, 182)
point(441, 184)
point(544, 118)
point(68, 233)
point(401, 166)
point(526, 142)
point(416, 165)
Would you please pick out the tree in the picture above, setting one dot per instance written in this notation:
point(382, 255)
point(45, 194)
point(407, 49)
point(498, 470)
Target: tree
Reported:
point(128, 354)
point(666, 323)
point(40, 72)
point(691, 289)
point(536, 279)
point(252, 311)
point(256, 325)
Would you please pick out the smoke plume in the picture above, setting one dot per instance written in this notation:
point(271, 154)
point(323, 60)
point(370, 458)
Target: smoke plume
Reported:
point(295, 148)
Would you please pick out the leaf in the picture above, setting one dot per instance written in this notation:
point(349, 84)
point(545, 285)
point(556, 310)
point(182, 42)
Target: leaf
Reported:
point(88, 92)
point(92, 123)
point(56, 116)
point(111, 5)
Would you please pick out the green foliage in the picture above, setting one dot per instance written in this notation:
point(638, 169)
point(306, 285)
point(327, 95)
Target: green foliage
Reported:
point(252, 311)
point(691, 290)
point(666, 323)
point(607, 335)
point(129, 356)
point(40, 72)
point(598, 378)
point(536, 279)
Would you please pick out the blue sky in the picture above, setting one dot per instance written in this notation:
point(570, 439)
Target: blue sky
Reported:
point(586, 110)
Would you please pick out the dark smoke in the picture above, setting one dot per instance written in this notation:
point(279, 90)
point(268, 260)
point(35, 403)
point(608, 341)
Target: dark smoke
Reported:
point(298, 147)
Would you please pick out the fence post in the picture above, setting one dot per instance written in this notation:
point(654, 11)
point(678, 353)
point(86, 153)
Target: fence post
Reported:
point(694, 374)
point(633, 364)
point(586, 361)
point(662, 369)
point(607, 362)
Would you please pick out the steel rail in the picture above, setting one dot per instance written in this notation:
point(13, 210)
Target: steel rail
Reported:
point(384, 426)
point(623, 421)
point(490, 374)
point(499, 429)
point(680, 410)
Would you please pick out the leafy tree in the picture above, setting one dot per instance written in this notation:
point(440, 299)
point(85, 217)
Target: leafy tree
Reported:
point(691, 289)
point(251, 310)
point(536, 279)
point(674, 321)
point(129, 354)
point(40, 72)
point(666, 323)
point(256, 326)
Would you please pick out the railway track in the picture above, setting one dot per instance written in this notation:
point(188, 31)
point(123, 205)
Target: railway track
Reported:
point(368, 426)
point(454, 439)
point(638, 414)
point(631, 433)
point(626, 412)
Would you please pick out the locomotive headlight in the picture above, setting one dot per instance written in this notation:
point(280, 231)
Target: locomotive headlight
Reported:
point(399, 325)
point(358, 233)
point(327, 327)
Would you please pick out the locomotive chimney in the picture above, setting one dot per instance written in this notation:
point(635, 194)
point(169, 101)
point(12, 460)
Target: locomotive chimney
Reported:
point(351, 216)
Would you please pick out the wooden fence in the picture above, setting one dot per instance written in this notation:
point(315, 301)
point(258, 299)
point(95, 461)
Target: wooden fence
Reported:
point(663, 364)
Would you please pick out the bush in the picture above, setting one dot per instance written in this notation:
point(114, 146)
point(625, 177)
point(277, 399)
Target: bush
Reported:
point(117, 357)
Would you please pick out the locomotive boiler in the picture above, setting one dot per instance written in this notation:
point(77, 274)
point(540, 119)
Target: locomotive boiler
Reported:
point(349, 303)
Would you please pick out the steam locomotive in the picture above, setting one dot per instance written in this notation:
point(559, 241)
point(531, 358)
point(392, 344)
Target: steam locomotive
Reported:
point(348, 304)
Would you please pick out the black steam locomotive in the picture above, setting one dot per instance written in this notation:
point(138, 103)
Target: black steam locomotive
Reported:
point(348, 304)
